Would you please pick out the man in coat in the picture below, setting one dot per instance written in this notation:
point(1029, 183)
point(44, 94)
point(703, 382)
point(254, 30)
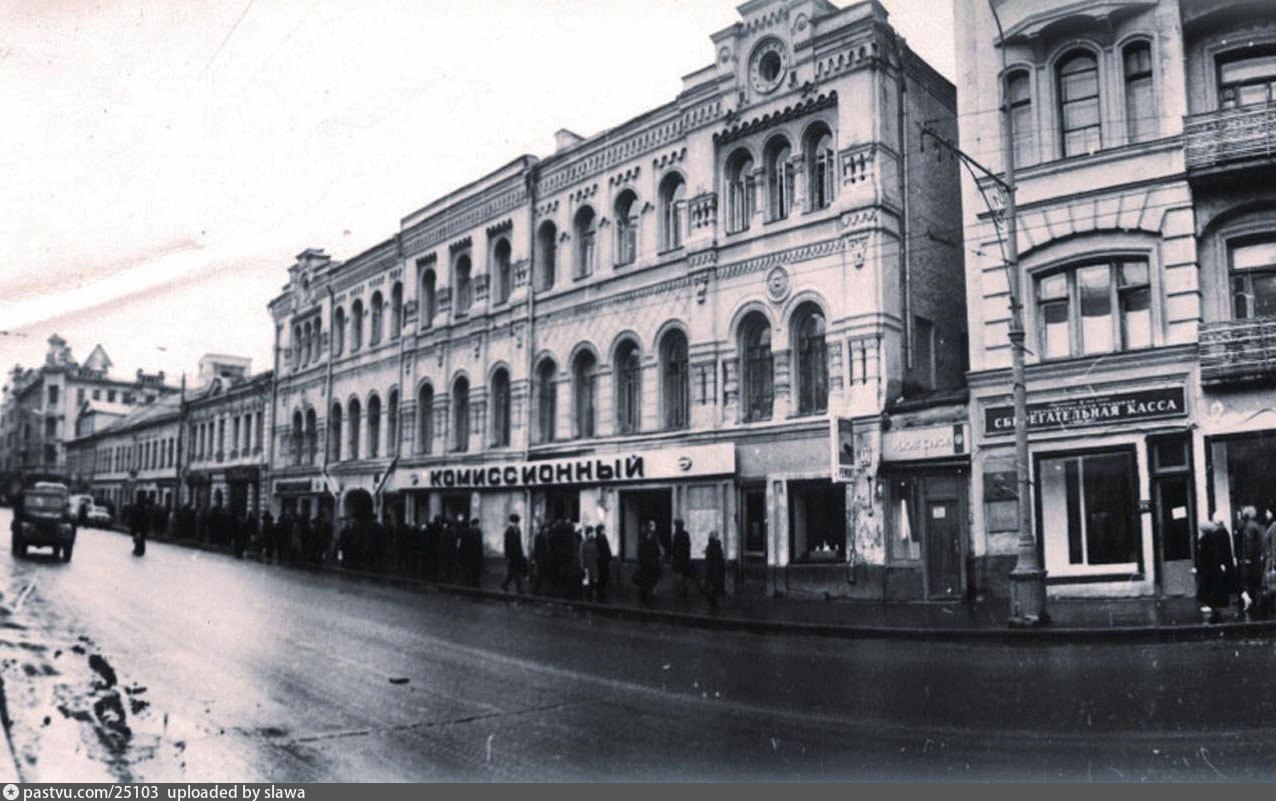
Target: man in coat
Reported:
point(648, 574)
point(715, 571)
point(1215, 569)
point(1249, 559)
point(604, 563)
point(515, 558)
point(540, 557)
point(680, 556)
point(472, 553)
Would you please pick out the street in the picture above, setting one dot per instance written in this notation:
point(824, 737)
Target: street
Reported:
point(184, 665)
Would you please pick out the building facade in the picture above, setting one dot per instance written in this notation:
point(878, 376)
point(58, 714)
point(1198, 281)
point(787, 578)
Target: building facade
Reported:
point(1141, 140)
point(673, 318)
point(131, 458)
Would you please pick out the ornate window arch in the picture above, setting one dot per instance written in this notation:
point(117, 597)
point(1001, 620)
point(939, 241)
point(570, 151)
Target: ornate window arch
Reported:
point(1079, 98)
point(627, 378)
point(396, 310)
point(392, 436)
point(376, 306)
point(1023, 123)
point(821, 160)
point(809, 326)
point(338, 331)
point(546, 255)
point(673, 203)
point(626, 216)
point(740, 191)
point(778, 155)
point(585, 393)
point(334, 433)
point(757, 369)
point(298, 438)
point(425, 418)
point(374, 426)
point(585, 229)
point(546, 400)
point(502, 279)
point(462, 284)
point(356, 325)
point(500, 394)
point(675, 383)
point(312, 436)
point(461, 414)
point(429, 297)
point(353, 425)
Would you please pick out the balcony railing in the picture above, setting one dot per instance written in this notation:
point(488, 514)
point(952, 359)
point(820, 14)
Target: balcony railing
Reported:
point(1231, 137)
point(1238, 352)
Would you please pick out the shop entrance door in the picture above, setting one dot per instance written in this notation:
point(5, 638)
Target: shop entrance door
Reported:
point(238, 499)
point(943, 548)
point(754, 524)
point(457, 507)
point(636, 508)
point(1173, 513)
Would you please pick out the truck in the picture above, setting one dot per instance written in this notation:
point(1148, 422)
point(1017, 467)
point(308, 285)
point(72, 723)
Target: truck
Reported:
point(42, 519)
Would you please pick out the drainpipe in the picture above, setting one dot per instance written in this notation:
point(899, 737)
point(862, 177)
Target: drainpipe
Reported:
point(907, 310)
point(274, 400)
point(530, 346)
point(327, 394)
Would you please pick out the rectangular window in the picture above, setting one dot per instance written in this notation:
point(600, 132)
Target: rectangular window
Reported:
point(97, 394)
point(1095, 308)
point(110, 396)
point(1079, 105)
point(1246, 81)
point(53, 396)
point(1089, 513)
point(1253, 267)
point(1140, 105)
point(817, 521)
point(1052, 300)
point(79, 396)
point(906, 543)
point(1022, 126)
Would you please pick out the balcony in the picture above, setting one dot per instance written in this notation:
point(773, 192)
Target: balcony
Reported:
point(1230, 139)
point(1238, 352)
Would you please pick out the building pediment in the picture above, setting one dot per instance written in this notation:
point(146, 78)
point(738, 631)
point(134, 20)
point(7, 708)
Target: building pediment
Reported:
point(1026, 21)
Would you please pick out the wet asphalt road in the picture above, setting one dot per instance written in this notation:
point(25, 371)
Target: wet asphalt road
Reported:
point(253, 672)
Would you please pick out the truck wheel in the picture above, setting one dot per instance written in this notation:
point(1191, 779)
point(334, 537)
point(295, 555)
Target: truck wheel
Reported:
point(66, 553)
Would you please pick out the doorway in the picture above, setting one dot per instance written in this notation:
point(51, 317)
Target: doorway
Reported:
point(753, 525)
point(1173, 512)
point(943, 548)
point(562, 504)
point(636, 508)
point(456, 506)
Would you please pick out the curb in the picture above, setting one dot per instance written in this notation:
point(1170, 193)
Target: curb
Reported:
point(999, 636)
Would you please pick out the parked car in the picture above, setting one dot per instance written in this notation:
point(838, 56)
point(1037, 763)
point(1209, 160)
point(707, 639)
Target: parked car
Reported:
point(98, 516)
point(42, 519)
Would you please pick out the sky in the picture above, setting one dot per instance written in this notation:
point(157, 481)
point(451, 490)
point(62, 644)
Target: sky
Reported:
point(164, 161)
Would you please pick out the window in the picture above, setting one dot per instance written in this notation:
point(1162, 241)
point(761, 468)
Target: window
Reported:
point(905, 538)
point(546, 256)
point(1079, 104)
point(779, 178)
point(429, 301)
point(110, 396)
point(756, 368)
point(822, 181)
point(675, 387)
point(462, 291)
point(375, 307)
point(461, 414)
point(374, 427)
point(1247, 77)
point(628, 376)
point(53, 396)
point(1253, 269)
point(740, 191)
point(1088, 508)
point(356, 325)
point(1140, 104)
point(79, 395)
point(97, 394)
point(546, 401)
point(812, 361)
point(353, 426)
point(673, 201)
point(425, 419)
point(1095, 308)
point(396, 310)
point(586, 232)
point(298, 433)
point(626, 228)
point(334, 433)
point(338, 331)
point(392, 425)
point(501, 408)
point(584, 386)
point(312, 437)
point(1023, 128)
point(817, 521)
point(501, 269)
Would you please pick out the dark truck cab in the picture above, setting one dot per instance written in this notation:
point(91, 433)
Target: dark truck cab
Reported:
point(42, 519)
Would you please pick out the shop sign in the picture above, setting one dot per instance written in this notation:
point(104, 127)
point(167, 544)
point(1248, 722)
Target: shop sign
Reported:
point(1090, 410)
point(243, 473)
point(297, 487)
point(930, 442)
point(841, 449)
point(654, 465)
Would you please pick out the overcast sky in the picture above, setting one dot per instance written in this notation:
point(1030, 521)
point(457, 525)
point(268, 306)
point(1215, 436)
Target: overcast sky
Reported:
point(162, 161)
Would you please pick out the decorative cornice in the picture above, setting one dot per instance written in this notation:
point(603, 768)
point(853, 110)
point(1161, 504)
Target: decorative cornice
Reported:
point(765, 121)
point(465, 216)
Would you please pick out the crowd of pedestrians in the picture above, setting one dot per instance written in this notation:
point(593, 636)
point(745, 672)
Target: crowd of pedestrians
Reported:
point(1239, 568)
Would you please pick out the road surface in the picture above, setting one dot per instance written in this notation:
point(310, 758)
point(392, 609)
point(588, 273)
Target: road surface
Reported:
point(188, 666)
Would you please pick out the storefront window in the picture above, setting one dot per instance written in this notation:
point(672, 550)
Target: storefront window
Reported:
point(1089, 510)
point(817, 521)
point(905, 537)
point(1254, 278)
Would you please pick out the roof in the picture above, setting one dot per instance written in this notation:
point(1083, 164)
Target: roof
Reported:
point(103, 407)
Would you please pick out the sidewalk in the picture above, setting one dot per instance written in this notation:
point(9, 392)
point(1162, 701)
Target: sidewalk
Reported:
point(1132, 619)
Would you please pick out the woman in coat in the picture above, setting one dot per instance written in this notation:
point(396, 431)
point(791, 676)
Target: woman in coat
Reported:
point(1215, 570)
point(648, 565)
point(715, 571)
point(589, 561)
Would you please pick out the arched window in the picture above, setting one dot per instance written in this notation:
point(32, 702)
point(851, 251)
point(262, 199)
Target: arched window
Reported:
point(821, 183)
point(461, 414)
point(297, 345)
point(628, 379)
point(673, 202)
point(429, 301)
point(425, 419)
point(1022, 126)
point(500, 408)
point(675, 386)
point(312, 436)
point(546, 401)
point(812, 360)
point(1140, 102)
point(396, 310)
point(356, 325)
point(740, 191)
point(626, 228)
point(305, 344)
point(374, 312)
point(338, 331)
point(353, 426)
point(546, 255)
point(779, 178)
point(585, 229)
point(298, 435)
point(316, 340)
point(462, 289)
point(501, 271)
point(374, 427)
point(392, 424)
point(1079, 121)
point(756, 368)
point(334, 433)
point(584, 392)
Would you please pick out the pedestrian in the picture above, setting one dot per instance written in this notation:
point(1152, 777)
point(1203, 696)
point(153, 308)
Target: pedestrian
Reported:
point(322, 537)
point(267, 536)
point(604, 563)
point(715, 571)
point(515, 558)
point(540, 557)
point(430, 549)
point(1249, 561)
point(137, 528)
point(1215, 569)
point(305, 538)
point(680, 548)
point(589, 563)
point(648, 574)
point(447, 549)
point(664, 538)
point(472, 553)
point(239, 536)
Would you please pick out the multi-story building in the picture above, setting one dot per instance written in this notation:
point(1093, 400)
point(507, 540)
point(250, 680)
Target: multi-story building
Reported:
point(131, 457)
point(1142, 145)
point(666, 320)
point(42, 405)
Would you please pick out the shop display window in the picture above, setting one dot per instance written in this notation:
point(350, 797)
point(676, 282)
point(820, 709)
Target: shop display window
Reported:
point(1088, 511)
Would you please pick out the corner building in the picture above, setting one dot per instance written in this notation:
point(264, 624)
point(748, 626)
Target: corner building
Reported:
point(663, 320)
point(1142, 143)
